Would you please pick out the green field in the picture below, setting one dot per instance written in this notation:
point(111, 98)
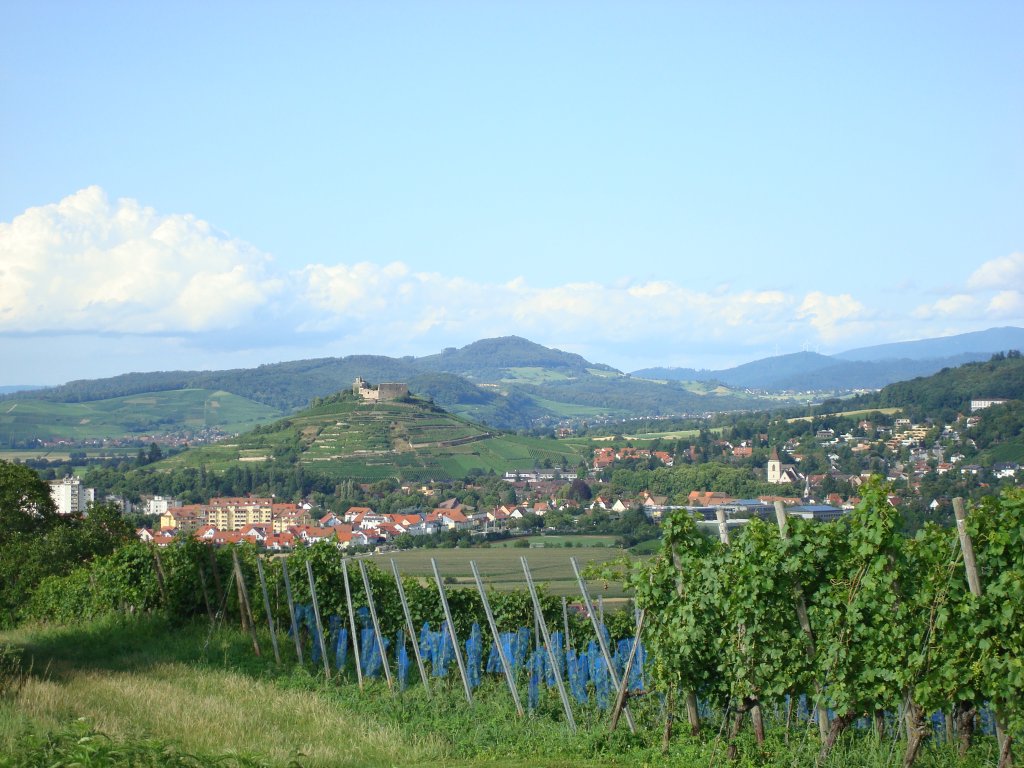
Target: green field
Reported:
point(860, 412)
point(558, 540)
point(500, 566)
point(534, 375)
point(19, 454)
point(570, 410)
point(152, 413)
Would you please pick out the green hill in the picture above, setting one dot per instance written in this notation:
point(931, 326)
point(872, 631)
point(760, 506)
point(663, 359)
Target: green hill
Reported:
point(149, 413)
point(343, 437)
point(951, 390)
point(509, 383)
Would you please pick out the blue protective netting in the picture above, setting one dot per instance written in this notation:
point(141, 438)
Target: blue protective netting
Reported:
point(583, 671)
point(474, 656)
point(578, 674)
point(402, 659)
point(621, 658)
point(437, 649)
point(516, 646)
point(341, 648)
point(536, 667)
point(371, 655)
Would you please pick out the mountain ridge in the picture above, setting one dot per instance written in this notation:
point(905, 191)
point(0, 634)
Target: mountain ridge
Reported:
point(862, 368)
point(513, 383)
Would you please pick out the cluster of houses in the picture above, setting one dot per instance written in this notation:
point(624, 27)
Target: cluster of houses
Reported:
point(908, 459)
point(263, 522)
point(275, 526)
point(606, 456)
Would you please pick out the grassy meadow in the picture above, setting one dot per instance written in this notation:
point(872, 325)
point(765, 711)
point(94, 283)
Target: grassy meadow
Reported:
point(142, 691)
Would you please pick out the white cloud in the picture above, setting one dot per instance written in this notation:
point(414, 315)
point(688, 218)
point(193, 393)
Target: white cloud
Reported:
point(834, 318)
point(959, 305)
point(1007, 304)
point(998, 273)
point(87, 264)
point(991, 295)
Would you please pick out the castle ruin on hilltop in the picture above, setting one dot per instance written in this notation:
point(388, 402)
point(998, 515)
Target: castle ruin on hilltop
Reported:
point(388, 390)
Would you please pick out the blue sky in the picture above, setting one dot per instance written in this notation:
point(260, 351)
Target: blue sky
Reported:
point(196, 185)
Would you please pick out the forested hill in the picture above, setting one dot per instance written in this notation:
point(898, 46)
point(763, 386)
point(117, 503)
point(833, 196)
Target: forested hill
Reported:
point(509, 382)
point(285, 386)
point(951, 390)
point(291, 385)
point(492, 359)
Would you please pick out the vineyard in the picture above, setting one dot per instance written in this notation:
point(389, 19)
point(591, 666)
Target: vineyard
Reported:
point(368, 442)
point(823, 635)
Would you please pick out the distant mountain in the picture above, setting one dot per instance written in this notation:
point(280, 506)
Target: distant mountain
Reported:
point(980, 345)
point(509, 383)
point(864, 368)
point(659, 373)
point(6, 389)
point(846, 375)
point(494, 359)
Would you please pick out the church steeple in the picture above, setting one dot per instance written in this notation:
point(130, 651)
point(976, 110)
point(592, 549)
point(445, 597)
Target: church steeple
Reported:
point(774, 467)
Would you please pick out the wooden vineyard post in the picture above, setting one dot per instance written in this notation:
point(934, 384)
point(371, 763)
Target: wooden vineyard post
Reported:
point(805, 625)
point(352, 623)
point(413, 637)
point(242, 615)
point(221, 597)
point(974, 583)
point(451, 631)
point(589, 608)
point(755, 709)
point(316, 617)
point(555, 666)
point(967, 547)
point(160, 578)
point(243, 599)
point(620, 699)
point(505, 666)
point(565, 621)
point(266, 606)
point(376, 624)
point(291, 610)
point(206, 592)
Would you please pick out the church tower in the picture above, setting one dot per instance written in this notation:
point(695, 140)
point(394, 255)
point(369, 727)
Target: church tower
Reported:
point(774, 467)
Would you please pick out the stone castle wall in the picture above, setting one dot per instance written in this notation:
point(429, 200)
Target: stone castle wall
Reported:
point(388, 390)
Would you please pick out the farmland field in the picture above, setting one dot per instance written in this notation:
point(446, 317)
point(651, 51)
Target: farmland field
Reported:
point(150, 414)
point(500, 567)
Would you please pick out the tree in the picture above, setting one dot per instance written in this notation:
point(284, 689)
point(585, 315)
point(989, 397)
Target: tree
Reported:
point(579, 490)
point(25, 502)
point(36, 542)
